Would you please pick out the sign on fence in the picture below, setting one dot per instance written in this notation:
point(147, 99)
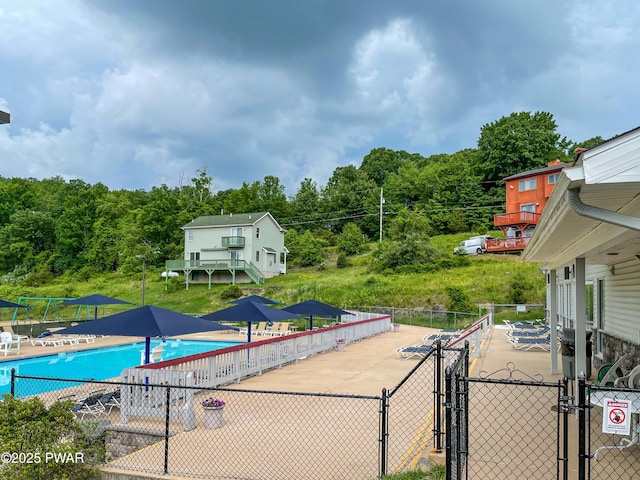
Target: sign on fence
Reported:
point(616, 417)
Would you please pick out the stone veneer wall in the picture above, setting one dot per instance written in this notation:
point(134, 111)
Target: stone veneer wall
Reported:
point(122, 440)
point(614, 348)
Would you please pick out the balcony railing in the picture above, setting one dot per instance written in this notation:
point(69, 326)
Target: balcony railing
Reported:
point(516, 218)
point(233, 242)
point(206, 264)
point(507, 244)
point(211, 265)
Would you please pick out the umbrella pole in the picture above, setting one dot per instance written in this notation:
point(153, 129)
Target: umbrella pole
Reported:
point(249, 331)
point(147, 349)
point(310, 322)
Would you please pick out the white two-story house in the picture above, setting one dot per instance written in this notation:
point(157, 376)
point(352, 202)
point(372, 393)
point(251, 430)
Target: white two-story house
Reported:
point(232, 248)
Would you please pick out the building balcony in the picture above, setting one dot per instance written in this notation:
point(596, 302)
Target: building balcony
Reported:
point(233, 242)
point(507, 245)
point(516, 218)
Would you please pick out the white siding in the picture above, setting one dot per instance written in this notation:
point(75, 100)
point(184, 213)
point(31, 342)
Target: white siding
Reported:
point(622, 301)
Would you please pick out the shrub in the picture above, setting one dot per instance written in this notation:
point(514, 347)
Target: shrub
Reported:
point(458, 300)
point(231, 291)
point(342, 261)
point(29, 427)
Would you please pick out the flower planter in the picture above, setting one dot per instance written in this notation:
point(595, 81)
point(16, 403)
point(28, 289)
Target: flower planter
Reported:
point(213, 417)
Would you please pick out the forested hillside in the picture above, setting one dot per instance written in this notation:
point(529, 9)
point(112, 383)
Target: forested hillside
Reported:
point(53, 227)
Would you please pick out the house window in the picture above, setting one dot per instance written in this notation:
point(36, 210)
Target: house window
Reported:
point(553, 178)
point(528, 207)
point(257, 255)
point(528, 184)
point(257, 232)
point(236, 231)
point(194, 256)
point(190, 235)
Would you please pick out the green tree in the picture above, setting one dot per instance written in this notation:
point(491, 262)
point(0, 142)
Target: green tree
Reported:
point(74, 227)
point(517, 143)
point(27, 241)
point(272, 197)
point(305, 250)
point(408, 243)
point(305, 205)
point(379, 163)
point(351, 196)
point(351, 241)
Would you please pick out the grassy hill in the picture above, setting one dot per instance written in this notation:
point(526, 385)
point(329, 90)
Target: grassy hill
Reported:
point(488, 278)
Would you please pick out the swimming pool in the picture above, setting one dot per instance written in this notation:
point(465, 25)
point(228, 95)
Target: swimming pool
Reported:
point(96, 363)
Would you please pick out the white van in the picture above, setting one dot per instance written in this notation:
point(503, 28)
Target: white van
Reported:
point(473, 246)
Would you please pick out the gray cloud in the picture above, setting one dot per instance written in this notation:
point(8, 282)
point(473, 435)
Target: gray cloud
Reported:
point(135, 94)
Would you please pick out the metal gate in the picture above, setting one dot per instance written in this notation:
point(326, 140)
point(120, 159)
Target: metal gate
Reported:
point(505, 428)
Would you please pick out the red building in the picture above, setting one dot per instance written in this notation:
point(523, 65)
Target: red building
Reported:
point(527, 195)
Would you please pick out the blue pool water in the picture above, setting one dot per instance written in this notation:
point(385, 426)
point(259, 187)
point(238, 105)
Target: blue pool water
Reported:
point(97, 363)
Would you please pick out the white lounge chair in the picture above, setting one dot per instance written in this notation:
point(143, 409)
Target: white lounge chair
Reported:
point(22, 338)
point(47, 342)
point(279, 329)
point(8, 344)
point(259, 330)
point(155, 355)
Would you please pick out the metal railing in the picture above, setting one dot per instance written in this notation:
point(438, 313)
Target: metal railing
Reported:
point(232, 364)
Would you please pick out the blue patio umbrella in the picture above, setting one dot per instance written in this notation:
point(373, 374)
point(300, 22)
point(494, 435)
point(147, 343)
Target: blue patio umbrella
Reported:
point(256, 299)
point(147, 321)
point(250, 311)
point(6, 304)
point(95, 300)
point(313, 307)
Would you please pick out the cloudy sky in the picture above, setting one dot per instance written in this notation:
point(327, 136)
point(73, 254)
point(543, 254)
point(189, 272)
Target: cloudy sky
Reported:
point(135, 94)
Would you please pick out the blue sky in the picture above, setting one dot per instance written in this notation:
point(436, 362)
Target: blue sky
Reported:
point(139, 94)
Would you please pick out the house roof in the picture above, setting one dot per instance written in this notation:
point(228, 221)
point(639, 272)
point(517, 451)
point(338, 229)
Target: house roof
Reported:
point(606, 177)
point(231, 220)
point(530, 173)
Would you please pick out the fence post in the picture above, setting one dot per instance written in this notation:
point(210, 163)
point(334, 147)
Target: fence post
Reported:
point(166, 431)
point(13, 382)
point(437, 398)
point(447, 425)
point(564, 408)
point(582, 431)
point(384, 433)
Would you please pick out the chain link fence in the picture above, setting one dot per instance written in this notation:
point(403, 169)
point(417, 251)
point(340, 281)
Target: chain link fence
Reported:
point(613, 432)
point(256, 434)
point(423, 317)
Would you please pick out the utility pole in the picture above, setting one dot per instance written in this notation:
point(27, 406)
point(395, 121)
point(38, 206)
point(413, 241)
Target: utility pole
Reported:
point(381, 203)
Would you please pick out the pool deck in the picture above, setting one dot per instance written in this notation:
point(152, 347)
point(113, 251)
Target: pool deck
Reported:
point(363, 368)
